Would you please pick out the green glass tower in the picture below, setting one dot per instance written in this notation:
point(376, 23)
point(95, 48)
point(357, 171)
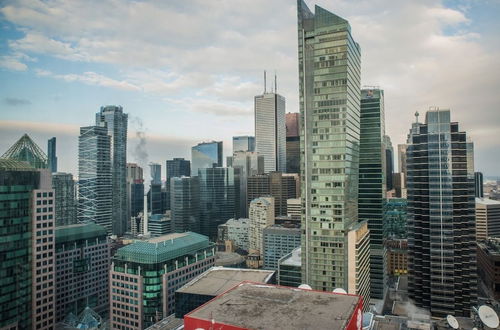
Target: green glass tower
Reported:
point(372, 183)
point(329, 86)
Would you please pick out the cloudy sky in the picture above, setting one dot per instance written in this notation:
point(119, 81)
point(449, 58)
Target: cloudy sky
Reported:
point(187, 71)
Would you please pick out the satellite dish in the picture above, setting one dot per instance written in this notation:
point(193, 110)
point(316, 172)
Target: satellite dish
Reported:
point(339, 290)
point(452, 321)
point(474, 328)
point(305, 286)
point(488, 316)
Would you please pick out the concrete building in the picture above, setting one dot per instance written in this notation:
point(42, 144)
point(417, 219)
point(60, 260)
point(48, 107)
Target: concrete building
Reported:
point(261, 215)
point(95, 185)
point(289, 269)
point(375, 149)
point(243, 143)
point(82, 257)
point(487, 218)
point(397, 256)
point(277, 242)
point(51, 155)
point(274, 307)
point(441, 219)
point(160, 224)
point(358, 262)
point(329, 85)
point(270, 131)
point(65, 201)
point(292, 143)
point(115, 120)
point(144, 276)
point(276, 184)
point(488, 266)
point(294, 208)
point(235, 230)
point(213, 283)
point(184, 204)
point(206, 155)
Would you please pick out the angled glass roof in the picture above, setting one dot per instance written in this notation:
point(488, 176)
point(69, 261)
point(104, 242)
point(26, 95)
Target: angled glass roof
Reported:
point(28, 151)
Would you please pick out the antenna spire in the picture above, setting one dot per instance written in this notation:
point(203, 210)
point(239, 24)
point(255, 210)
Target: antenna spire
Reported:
point(265, 81)
point(275, 83)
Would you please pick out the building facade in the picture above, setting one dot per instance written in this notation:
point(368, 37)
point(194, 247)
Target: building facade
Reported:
point(243, 143)
point(176, 167)
point(487, 218)
point(135, 190)
point(292, 143)
point(389, 160)
point(82, 257)
point(329, 85)
point(236, 230)
point(395, 218)
point(51, 155)
point(358, 262)
point(261, 214)
point(397, 256)
point(270, 131)
point(206, 155)
point(488, 266)
point(27, 151)
point(116, 121)
point(478, 185)
point(278, 241)
point(289, 269)
point(144, 276)
point(95, 188)
point(185, 203)
point(160, 224)
point(276, 184)
point(65, 201)
point(441, 223)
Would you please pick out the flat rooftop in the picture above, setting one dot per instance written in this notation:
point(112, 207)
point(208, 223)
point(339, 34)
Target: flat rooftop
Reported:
point(260, 306)
point(487, 201)
point(294, 258)
point(218, 280)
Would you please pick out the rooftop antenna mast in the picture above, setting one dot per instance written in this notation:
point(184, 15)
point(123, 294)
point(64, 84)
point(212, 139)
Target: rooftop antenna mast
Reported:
point(265, 81)
point(275, 83)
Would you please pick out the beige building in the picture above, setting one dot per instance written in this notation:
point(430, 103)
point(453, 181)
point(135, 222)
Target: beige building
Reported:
point(261, 214)
point(487, 218)
point(293, 207)
point(358, 262)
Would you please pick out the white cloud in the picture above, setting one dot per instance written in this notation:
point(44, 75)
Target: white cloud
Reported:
point(12, 63)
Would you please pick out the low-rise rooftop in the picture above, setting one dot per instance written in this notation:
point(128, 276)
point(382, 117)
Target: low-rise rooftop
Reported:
point(487, 201)
point(293, 258)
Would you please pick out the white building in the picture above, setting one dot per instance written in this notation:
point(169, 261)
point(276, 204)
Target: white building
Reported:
point(237, 231)
point(487, 218)
point(261, 213)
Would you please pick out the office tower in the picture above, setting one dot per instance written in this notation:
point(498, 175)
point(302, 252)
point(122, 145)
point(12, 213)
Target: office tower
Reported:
point(28, 151)
point(276, 184)
point(206, 155)
point(441, 224)
point(488, 266)
point(289, 269)
point(395, 218)
point(113, 118)
point(155, 198)
point(294, 208)
point(216, 199)
point(389, 158)
point(145, 275)
point(95, 187)
point(185, 204)
point(23, 244)
point(373, 147)
point(135, 190)
point(246, 164)
point(270, 130)
point(487, 218)
point(51, 155)
point(176, 167)
point(82, 257)
point(478, 185)
point(235, 230)
point(402, 168)
point(261, 214)
point(397, 182)
point(160, 224)
point(358, 262)
point(329, 85)
point(243, 143)
point(292, 143)
point(397, 256)
point(277, 242)
point(65, 202)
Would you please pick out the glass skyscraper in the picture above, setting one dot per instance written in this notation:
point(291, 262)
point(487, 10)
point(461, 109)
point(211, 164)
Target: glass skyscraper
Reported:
point(243, 143)
point(206, 155)
point(372, 183)
point(441, 220)
point(176, 167)
point(95, 187)
point(116, 122)
point(329, 85)
point(64, 189)
point(51, 154)
point(292, 143)
point(185, 204)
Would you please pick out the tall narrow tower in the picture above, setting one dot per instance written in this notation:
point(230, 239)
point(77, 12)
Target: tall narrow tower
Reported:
point(329, 86)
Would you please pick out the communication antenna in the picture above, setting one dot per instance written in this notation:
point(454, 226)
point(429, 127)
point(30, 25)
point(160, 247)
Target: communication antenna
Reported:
point(305, 286)
point(488, 316)
point(275, 83)
point(265, 82)
point(416, 116)
point(452, 321)
point(339, 290)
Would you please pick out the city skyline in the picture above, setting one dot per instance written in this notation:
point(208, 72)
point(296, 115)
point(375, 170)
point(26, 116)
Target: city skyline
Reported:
point(75, 71)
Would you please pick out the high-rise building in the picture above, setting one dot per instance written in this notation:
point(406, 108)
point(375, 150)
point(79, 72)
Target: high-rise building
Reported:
point(65, 201)
point(373, 148)
point(216, 198)
point(292, 143)
point(51, 155)
point(402, 168)
point(277, 241)
point(488, 266)
point(135, 190)
point(95, 187)
point(294, 208)
point(478, 185)
point(261, 214)
point(144, 276)
point(441, 222)
point(276, 184)
point(487, 218)
point(82, 257)
point(176, 167)
point(156, 194)
point(29, 207)
point(270, 131)
point(395, 218)
point(160, 224)
point(185, 204)
point(289, 269)
point(389, 159)
point(28, 151)
point(235, 230)
point(155, 172)
point(243, 143)
point(329, 85)
point(358, 262)
point(206, 155)
point(115, 120)
point(246, 164)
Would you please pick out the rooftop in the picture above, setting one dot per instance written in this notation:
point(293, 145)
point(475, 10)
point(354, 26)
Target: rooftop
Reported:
point(162, 248)
point(487, 201)
point(218, 280)
point(14, 165)
point(27, 150)
point(259, 306)
point(80, 231)
point(168, 323)
point(293, 258)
